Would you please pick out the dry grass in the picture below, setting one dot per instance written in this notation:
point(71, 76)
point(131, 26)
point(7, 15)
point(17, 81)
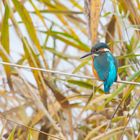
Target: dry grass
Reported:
point(53, 34)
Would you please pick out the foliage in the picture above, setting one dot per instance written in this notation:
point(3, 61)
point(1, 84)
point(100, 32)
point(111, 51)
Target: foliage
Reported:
point(53, 34)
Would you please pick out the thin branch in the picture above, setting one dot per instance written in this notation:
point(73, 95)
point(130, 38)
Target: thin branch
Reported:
point(35, 97)
point(130, 118)
point(28, 127)
point(103, 4)
point(63, 73)
point(110, 121)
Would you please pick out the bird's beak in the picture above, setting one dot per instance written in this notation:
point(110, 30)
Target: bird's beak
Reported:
point(86, 55)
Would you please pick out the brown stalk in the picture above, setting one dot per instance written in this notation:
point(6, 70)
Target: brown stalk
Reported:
point(92, 11)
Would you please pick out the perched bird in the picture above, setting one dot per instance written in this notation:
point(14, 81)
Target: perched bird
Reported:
point(104, 65)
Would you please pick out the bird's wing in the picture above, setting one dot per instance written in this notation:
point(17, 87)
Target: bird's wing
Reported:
point(102, 65)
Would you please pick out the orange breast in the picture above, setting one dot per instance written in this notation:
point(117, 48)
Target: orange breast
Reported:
point(93, 69)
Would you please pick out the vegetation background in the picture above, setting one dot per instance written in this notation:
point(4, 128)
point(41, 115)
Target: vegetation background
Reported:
point(54, 34)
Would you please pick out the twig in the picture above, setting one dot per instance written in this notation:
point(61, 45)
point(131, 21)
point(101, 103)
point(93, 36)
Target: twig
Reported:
point(109, 124)
point(4, 118)
point(130, 117)
point(63, 73)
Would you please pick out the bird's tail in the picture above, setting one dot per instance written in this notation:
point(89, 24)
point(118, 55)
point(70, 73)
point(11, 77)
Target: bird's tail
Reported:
point(106, 88)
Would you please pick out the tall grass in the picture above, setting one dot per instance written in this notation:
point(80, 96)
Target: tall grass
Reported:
point(54, 34)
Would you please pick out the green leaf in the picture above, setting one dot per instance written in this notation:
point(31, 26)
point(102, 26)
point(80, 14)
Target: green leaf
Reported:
point(29, 137)
point(28, 23)
point(81, 65)
point(5, 30)
point(59, 54)
point(68, 39)
point(106, 14)
point(5, 43)
point(79, 83)
point(11, 136)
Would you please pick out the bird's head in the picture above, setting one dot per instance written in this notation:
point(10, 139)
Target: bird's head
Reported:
point(97, 48)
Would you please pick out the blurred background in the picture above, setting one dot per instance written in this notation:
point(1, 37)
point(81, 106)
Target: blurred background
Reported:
point(53, 35)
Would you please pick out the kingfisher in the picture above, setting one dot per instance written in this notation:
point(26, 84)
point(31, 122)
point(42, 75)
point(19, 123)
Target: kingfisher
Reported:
point(104, 64)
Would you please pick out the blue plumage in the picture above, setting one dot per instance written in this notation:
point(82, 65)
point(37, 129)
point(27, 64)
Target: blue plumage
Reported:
point(104, 64)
